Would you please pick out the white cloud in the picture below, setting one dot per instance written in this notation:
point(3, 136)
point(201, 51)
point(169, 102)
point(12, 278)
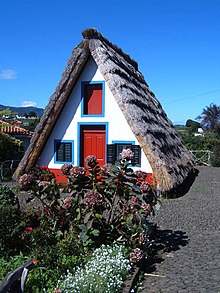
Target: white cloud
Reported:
point(8, 74)
point(28, 104)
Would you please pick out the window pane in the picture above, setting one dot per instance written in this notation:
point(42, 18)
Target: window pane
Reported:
point(68, 152)
point(64, 152)
point(92, 99)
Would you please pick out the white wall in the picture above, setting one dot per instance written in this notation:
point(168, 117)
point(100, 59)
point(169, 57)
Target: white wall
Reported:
point(66, 127)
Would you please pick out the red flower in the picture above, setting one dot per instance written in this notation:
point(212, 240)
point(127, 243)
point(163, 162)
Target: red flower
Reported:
point(34, 261)
point(26, 230)
point(44, 168)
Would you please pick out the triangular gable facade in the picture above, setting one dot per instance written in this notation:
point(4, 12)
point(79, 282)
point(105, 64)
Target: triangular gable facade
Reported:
point(102, 105)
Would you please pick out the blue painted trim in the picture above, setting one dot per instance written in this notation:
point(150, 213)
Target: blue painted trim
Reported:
point(83, 94)
point(123, 142)
point(79, 138)
point(63, 141)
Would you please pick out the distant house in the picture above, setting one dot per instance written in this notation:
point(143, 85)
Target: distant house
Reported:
point(200, 132)
point(101, 106)
point(16, 131)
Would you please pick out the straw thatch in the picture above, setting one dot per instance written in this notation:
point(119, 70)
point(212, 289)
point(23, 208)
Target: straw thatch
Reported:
point(169, 158)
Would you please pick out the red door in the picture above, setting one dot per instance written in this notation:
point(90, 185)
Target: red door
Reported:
point(94, 143)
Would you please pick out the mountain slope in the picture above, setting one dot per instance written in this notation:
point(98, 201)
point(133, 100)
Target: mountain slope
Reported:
point(23, 110)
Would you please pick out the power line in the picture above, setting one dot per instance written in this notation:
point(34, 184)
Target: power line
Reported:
point(194, 96)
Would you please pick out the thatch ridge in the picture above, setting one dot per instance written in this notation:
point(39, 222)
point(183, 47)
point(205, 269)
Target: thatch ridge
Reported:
point(169, 158)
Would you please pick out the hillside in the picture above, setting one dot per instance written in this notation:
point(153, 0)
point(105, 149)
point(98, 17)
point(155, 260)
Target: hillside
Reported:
point(23, 110)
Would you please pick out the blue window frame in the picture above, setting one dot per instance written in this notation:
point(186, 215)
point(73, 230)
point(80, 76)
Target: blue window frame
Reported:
point(95, 108)
point(63, 151)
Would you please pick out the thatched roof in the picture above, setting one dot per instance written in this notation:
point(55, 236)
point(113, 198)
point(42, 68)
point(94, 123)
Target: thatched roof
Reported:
point(169, 158)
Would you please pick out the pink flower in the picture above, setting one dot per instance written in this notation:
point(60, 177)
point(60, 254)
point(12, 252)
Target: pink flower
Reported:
point(145, 187)
point(65, 169)
point(93, 199)
point(105, 170)
point(136, 256)
point(133, 204)
point(68, 202)
point(147, 208)
point(142, 239)
point(77, 171)
point(127, 154)
point(91, 160)
point(44, 183)
point(141, 175)
point(25, 180)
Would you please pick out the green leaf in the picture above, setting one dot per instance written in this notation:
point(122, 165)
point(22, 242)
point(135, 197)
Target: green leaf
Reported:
point(83, 228)
point(98, 216)
point(87, 216)
point(129, 219)
point(78, 214)
point(95, 232)
point(89, 224)
point(84, 237)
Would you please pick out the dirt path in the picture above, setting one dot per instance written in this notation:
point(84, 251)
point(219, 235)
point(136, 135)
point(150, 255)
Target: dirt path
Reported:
point(194, 267)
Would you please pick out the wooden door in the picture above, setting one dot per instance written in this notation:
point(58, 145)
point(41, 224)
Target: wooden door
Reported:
point(94, 143)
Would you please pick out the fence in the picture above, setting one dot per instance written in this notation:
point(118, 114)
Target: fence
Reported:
point(202, 157)
point(7, 169)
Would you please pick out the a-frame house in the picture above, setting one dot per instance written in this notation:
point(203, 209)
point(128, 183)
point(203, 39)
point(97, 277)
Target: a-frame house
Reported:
point(102, 105)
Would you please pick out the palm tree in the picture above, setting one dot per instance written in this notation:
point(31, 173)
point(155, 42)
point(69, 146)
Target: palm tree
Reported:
point(210, 118)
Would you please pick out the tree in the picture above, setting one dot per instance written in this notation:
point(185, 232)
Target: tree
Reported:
point(10, 147)
point(6, 111)
point(210, 118)
point(32, 114)
point(192, 125)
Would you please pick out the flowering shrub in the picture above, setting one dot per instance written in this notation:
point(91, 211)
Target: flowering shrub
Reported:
point(104, 272)
point(105, 204)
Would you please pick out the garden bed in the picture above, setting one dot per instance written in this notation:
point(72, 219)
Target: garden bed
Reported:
point(62, 227)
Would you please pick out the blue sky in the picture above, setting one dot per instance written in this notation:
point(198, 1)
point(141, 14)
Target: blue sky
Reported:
point(175, 42)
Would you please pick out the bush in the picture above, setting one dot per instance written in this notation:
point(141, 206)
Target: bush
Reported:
point(10, 222)
point(105, 204)
point(101, 206)
point(215, 160)
point(11, 264)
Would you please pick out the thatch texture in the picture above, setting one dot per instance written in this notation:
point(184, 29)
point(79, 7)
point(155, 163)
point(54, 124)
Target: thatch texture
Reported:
point(169, 158)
